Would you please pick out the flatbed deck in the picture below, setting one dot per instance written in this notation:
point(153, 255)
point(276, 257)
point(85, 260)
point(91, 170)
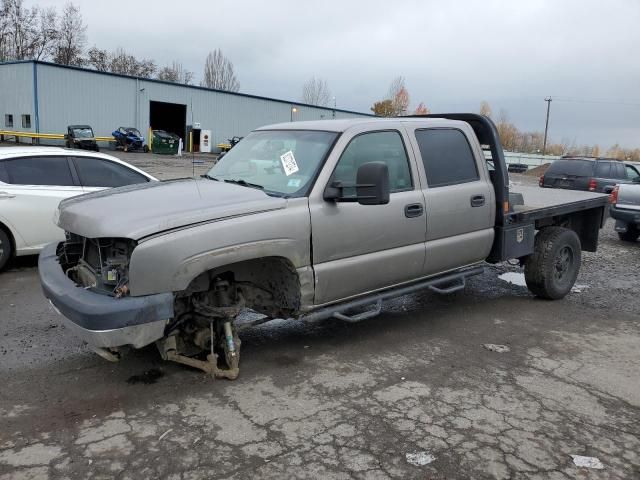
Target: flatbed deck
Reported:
point(545, 202)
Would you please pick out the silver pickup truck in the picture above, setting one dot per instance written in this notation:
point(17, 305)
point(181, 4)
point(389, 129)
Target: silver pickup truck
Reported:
point(625, 208)
point(307, 220)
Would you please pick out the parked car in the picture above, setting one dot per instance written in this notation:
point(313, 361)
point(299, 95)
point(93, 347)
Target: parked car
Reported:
point(585, 173)
point(307, 220)
point(33, 180)
point(518, 167)
point(625, 209)
point(81, 137)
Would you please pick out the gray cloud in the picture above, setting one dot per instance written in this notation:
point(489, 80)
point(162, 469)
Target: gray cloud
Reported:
point(452, 54)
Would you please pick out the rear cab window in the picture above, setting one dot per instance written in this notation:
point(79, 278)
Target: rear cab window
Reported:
point(447, 157)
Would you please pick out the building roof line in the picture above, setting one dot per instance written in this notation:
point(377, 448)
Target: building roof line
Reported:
point(175, 84)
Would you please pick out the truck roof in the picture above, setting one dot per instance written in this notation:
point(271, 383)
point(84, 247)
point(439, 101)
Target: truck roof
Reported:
point(344, 124)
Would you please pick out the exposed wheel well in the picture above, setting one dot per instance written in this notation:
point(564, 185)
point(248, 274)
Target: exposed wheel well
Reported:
point(269, 285)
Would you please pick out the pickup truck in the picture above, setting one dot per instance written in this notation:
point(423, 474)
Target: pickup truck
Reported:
point(307, 220)
point(625, 209)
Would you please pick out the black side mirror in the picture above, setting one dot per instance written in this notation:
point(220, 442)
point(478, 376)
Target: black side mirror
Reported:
point(372, 186)
point(636, 180)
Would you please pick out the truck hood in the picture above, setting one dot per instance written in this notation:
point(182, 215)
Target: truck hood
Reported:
point(137, 211)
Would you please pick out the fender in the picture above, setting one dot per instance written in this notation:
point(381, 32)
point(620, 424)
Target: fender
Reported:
point(169, 262)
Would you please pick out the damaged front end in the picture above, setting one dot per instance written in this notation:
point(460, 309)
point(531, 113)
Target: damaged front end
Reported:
point(87, 280)
point(100, 264)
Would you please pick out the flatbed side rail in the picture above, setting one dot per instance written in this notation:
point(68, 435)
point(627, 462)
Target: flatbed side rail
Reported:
point(535, 214)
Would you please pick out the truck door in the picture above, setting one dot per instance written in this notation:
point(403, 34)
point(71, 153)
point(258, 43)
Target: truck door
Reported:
point(459, 198)
point(361, 248)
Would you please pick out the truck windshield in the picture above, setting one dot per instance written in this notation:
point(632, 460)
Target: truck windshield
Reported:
point(282, 162)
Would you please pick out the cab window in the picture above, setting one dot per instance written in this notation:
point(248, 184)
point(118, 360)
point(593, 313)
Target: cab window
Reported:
point(386, 147)
point(447, 157)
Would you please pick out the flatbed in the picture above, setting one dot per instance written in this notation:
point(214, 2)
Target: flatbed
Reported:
point(541, 203)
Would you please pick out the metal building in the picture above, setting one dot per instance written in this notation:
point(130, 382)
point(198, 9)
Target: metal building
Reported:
point(44, 97)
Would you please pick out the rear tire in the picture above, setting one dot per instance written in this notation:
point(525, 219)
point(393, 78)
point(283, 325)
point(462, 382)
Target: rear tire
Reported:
point(631, 235)
point(5, 249)
point(552, 269)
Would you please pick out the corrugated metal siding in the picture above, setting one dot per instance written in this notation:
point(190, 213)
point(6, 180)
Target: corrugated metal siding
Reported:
point(16, 95)
point(68, 97)
point(73, 96)
point(224, 114)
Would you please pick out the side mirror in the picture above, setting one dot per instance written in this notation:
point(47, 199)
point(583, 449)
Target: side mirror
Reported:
point(635, 179)
point(372, 186)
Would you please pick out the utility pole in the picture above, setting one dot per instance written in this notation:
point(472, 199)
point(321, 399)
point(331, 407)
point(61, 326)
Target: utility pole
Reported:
point(546, 126)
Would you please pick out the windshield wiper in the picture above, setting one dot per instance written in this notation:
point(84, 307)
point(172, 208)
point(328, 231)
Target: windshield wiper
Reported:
point(244, 183)
point(206, 175)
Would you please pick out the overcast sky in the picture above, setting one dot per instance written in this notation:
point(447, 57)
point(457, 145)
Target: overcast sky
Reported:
point(453, 54)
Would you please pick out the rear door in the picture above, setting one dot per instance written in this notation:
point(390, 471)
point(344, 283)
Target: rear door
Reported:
point(35, 187)
point(98, 173)
point(361, 248)
point(459, 198)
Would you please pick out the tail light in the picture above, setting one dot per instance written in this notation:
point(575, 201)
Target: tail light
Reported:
point(613, 196)
point(592, 184)
point(541, 180)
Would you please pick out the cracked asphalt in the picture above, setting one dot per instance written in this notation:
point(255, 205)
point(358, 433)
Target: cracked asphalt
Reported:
point(411, 393)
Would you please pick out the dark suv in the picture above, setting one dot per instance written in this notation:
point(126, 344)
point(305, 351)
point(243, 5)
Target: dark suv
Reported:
point(584, 173)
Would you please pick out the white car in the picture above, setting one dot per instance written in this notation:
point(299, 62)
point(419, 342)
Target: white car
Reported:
point(33, 181)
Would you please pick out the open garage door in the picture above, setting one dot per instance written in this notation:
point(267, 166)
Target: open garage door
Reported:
point(171, 117)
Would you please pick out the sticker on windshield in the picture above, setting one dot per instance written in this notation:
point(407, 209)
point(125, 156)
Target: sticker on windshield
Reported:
point(294, 182)
point(289, 163)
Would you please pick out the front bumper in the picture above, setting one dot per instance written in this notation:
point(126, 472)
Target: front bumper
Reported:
point(625, 216)
point(101, 320)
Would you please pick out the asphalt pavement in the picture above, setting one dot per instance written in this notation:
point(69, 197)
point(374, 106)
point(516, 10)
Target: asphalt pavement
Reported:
point(486, 383)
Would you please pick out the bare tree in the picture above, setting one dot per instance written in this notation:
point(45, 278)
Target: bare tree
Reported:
point(485, 109)
point(72, 37)
point(98, 59)
point(421, 109)
point(26, 33)
point(175, 73)
point(399, 95)
point(316, 91)
point(219, 73)
point(120, 62)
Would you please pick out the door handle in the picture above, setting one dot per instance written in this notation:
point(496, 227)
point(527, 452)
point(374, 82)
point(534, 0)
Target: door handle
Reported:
point(413, 210)
point(6, 195)
point(477, 200)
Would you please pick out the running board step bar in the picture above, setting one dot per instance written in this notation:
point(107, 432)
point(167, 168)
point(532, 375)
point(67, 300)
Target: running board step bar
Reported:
point(337, 311)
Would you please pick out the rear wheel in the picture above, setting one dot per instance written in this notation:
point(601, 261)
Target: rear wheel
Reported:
point(552, 269)
point(631, 235)
point(5, 249)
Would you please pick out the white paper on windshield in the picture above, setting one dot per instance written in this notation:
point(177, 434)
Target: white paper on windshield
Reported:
point(289, 163)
